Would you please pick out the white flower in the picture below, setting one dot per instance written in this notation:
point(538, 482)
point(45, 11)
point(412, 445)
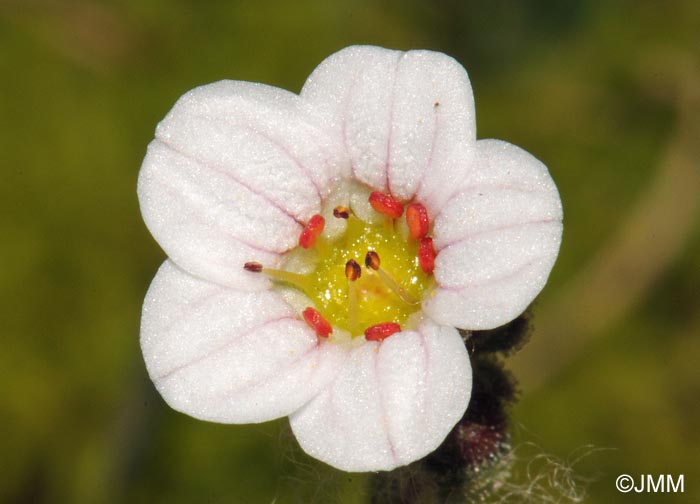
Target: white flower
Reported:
point(238, 170)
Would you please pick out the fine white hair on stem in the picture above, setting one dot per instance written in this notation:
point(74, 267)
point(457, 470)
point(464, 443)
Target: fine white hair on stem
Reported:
point(540, 477)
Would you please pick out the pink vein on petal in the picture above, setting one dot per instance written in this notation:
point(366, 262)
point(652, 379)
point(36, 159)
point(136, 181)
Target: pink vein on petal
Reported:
point(498, 187)
point(218, 169)
point(487, 232)
point(171, 189)
point(382, 407)
point(275, 373)
point(213, 352)
point(431, 153)
point(344, 126)
point(212, 293)
point(390, 134)
point(426, 364)
point(332, 395)
point(287, 153)
point(530, 264)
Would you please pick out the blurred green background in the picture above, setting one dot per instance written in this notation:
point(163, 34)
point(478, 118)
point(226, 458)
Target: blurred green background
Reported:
point(606, 93)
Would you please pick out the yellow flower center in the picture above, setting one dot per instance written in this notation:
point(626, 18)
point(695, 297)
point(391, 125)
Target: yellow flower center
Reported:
point(376, 302)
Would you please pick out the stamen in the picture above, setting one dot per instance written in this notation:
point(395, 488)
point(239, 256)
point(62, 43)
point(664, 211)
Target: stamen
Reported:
point(385, 204)
point(372, 261)
point(380, 332)
point(301, 282)
point(253, 267)
point(417, 220)
point(389, 289)
point(312, 231)
point(353, 271)
point(426, 255)
point(341, 212)
point(317, 322)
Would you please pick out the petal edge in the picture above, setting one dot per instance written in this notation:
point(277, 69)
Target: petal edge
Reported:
point(230, 356)
point(393, 403)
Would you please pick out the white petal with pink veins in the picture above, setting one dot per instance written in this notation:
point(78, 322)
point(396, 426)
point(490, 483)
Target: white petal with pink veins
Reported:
point(229, 356)
point(394, 402)
point(398, 114)
point(259, 136)
point(497, 239)
point(207, 222)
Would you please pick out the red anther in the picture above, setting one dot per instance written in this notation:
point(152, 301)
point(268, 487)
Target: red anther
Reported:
point(383, 203)
point(417, 220)
point(340, 212)
point(372, 260)
point(311, 231)
point(381, 331)
point(426, 255)
point(317, 322)
point(253, 267)
point(352, 270)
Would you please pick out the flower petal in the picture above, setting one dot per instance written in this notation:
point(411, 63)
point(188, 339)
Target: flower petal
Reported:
point(210, 225)
point(229, 356)
point(497, 237)
point(259, 136)
point(232, 176)
point(398, 114)
point(394, 402)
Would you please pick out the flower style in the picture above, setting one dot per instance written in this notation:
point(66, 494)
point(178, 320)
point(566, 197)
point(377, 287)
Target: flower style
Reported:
point(324, 247)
